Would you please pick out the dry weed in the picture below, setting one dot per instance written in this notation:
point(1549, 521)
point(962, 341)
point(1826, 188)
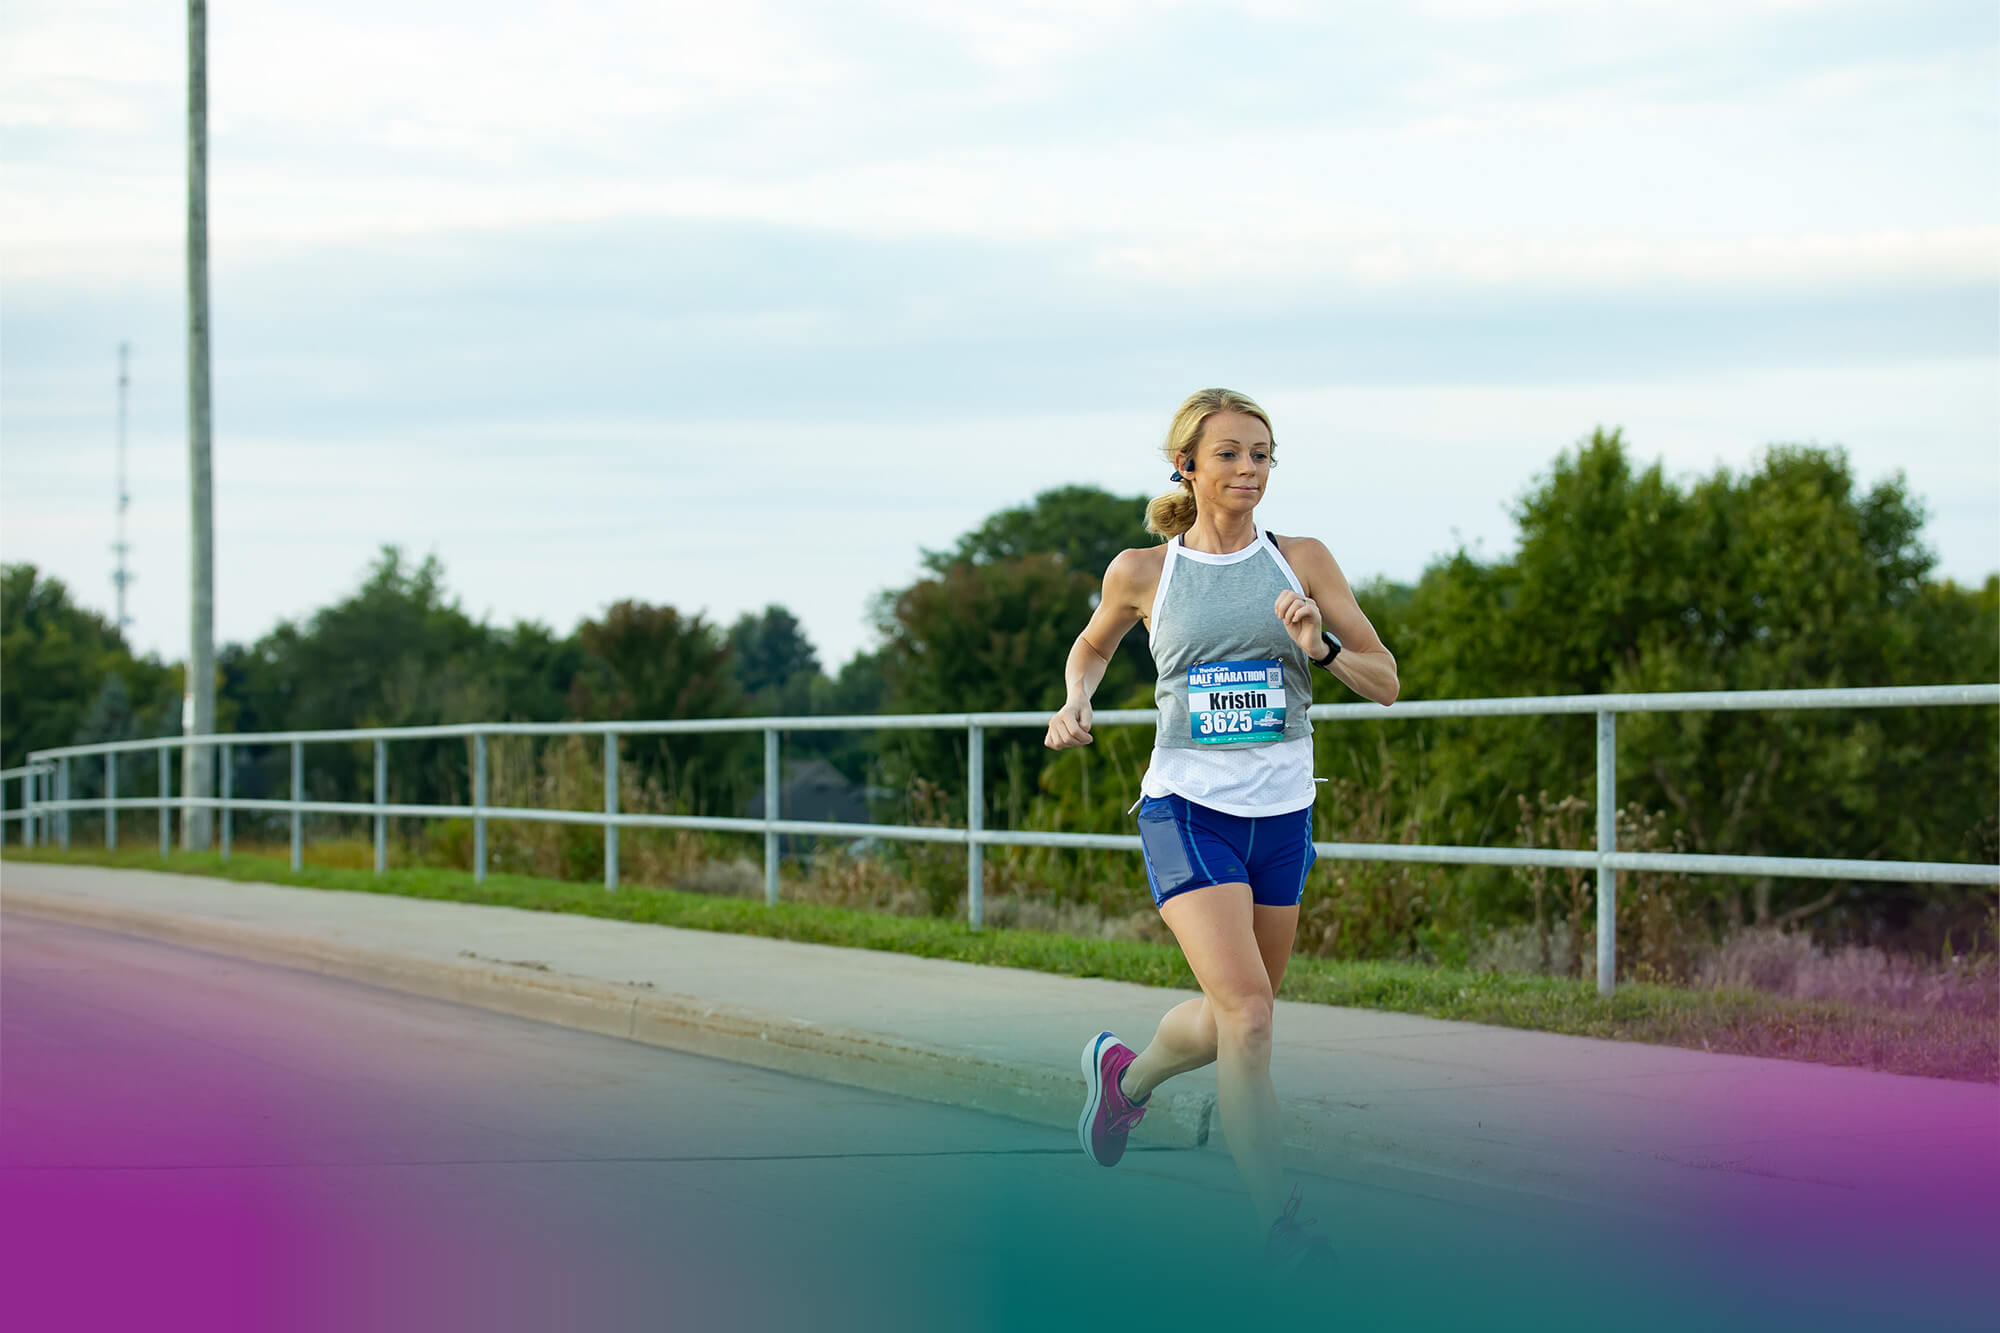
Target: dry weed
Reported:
point(1782, 962)
point(1661, 931)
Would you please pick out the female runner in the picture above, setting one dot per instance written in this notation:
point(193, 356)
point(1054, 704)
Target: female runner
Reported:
point(1234, 615)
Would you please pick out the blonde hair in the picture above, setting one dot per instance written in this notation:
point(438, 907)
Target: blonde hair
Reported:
point(1171, 514)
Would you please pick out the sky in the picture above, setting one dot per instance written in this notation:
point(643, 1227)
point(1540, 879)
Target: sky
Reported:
point(720, 306)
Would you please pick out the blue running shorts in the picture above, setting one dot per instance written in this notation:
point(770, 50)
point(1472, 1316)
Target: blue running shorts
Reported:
point(1189, 846)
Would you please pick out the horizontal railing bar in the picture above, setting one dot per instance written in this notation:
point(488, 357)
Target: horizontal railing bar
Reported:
point(1888, 696)
point(1907, 872)
point(278, 805)
point(1462, 856)
point(1809, 867)
point(1695, 701)
point(1103, 842)
point(598, 818)
point(1787, 867)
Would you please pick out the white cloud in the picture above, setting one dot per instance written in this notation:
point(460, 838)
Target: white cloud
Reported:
point(1552, 261)
point(94, 68)
point(575, 77)
point(1028, 35)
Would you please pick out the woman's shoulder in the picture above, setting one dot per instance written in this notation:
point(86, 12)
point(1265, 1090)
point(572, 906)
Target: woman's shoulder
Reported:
point(1294, 549)
point(1305, 553)
point(1133, 574)
point(1318, 572)
point(1138, 562)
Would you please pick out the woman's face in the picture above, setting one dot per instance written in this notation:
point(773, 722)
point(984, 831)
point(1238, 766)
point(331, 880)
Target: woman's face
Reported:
point(1232, 463)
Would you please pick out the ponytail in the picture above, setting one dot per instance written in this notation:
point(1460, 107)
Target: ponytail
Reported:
point(1171, 514)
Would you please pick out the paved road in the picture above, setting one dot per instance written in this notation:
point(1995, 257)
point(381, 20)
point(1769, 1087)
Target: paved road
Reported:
point(194, 1141)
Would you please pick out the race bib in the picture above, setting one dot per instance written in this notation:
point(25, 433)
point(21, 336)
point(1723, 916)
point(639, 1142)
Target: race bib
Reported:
point(1237, 703)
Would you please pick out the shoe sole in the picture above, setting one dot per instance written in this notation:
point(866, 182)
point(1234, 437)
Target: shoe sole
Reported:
point(1093, 1079)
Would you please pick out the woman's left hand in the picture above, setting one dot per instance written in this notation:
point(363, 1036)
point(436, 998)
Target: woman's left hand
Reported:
point(1302, 620)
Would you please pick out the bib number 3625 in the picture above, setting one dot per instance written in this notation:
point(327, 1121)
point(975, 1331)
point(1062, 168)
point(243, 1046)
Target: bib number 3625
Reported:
point(1237, 703)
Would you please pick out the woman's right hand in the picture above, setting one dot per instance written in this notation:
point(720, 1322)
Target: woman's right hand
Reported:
point(1070, 726)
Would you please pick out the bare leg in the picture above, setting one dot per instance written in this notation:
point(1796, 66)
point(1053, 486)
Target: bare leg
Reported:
point(1216, 930)
point(1186, 1037)
point(1185, 1040)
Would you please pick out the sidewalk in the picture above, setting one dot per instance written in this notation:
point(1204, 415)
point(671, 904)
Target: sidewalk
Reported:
point(1366, 1096)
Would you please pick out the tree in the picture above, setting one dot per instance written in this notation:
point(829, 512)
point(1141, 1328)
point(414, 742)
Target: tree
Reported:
point(531, 669)
point(1789, 576)
point(56, 660)
point(652, 662)
point(990, 627)
point(1082, 526)
point(774, 662)
point(986, 638)
point(859, 689)
point(397, 652)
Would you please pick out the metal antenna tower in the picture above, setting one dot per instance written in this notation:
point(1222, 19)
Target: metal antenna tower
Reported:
point(122, 576)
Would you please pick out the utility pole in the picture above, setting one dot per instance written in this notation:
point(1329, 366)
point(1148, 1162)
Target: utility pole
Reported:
point(198, 708)
point(122, 577)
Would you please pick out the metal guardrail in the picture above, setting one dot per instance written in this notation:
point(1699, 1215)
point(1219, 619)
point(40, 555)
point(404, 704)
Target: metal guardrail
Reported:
point(46, 805)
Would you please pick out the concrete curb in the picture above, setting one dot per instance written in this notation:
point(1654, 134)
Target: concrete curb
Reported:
point(638, 1012)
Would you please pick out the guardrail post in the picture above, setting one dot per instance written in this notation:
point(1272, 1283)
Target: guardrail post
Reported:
point(381, 799)
point(479, 807)
point(773, 794)
point(610, 808)
point(166, 801)
point(226, 762)
point(62, 794)
point(298, 815)
point(1607, 843)
point(37, 833)
point(110, 795)
point(975, 823)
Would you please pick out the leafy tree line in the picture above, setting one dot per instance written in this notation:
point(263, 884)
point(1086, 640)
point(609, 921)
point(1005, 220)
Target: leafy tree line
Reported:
point(1785, 576)
point(67, 676)
point(1789, 576)
point(399, 651)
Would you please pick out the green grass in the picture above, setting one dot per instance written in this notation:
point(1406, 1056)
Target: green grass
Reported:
point(1741, 1022)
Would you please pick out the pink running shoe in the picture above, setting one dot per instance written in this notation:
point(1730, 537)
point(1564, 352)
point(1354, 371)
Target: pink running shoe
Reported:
point(1108, 1114)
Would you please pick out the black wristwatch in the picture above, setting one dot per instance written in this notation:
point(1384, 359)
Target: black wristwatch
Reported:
point(1332, 651)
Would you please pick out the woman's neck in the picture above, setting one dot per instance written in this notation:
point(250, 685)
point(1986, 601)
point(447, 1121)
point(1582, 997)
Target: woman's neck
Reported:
point(1213, 535)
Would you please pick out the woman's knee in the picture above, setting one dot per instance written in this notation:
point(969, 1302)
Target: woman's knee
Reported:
point(1241, 1019)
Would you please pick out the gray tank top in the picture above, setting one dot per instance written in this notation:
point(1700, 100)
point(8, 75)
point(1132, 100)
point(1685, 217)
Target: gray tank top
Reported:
point(1229, 673)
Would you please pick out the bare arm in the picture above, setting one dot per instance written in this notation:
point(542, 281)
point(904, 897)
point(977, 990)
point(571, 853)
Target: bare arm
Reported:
point(1117, 611)
point(1365, 665)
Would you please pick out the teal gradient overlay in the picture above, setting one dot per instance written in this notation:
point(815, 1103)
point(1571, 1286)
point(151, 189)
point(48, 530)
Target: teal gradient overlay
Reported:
point(223, 1146)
